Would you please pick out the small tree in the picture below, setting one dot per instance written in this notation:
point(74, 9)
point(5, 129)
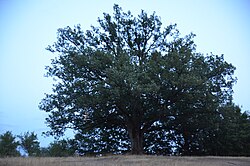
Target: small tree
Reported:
point(233, 137)
point(44, 152)
point(30, 143)
point(8, 145)
point(61, 148)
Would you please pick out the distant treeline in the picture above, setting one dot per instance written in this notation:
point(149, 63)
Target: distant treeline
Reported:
point(232, 138)
point(27, 144)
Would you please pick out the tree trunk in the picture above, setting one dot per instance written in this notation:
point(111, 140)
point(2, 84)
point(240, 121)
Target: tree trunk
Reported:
point(186, 145)
point(136, 138)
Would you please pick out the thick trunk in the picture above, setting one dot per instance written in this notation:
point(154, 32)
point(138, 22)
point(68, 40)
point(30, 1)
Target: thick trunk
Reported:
point(136, 137)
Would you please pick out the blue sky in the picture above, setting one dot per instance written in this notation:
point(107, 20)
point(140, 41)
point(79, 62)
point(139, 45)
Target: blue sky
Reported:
point(28, 27)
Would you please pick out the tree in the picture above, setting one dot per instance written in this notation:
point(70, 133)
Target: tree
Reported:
point(44, 152)
point(131, 76)
point(30, 143)
point(225, 133)
point(8, 145)
point(233, 137)
point(61, 148)
point(244, 134)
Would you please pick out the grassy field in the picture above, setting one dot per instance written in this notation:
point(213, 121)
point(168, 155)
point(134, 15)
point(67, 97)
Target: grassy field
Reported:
point(127, 161)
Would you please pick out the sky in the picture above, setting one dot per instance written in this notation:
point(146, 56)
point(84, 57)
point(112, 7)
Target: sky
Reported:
point(27, 27)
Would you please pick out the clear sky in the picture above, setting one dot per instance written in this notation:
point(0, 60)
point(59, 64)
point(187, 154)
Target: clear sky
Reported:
point(27, 27)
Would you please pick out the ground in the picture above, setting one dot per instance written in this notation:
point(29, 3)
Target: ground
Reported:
point(127, 160)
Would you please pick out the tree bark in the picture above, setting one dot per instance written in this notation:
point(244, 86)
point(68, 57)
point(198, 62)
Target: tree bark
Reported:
point(186, 145)
point(136, 138)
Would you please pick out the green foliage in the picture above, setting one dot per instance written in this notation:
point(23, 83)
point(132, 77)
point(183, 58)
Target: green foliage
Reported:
point(30, 143)
point(130, 84)
point(233, 136)
point(224, 133)
point(44, 152)
point(102, 141)
point(61, 148)
point(8, 145)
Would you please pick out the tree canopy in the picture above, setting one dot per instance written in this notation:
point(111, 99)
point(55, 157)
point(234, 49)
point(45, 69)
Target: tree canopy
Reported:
point(131, 85)
point(8, 145)
point(30, 144)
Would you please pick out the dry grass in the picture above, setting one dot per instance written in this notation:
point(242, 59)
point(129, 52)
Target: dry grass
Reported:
point(127, 160)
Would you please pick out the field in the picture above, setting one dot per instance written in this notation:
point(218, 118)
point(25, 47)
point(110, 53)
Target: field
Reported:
point(127, 161)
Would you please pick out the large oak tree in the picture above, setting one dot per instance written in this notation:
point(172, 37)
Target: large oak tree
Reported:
point(131, 76)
